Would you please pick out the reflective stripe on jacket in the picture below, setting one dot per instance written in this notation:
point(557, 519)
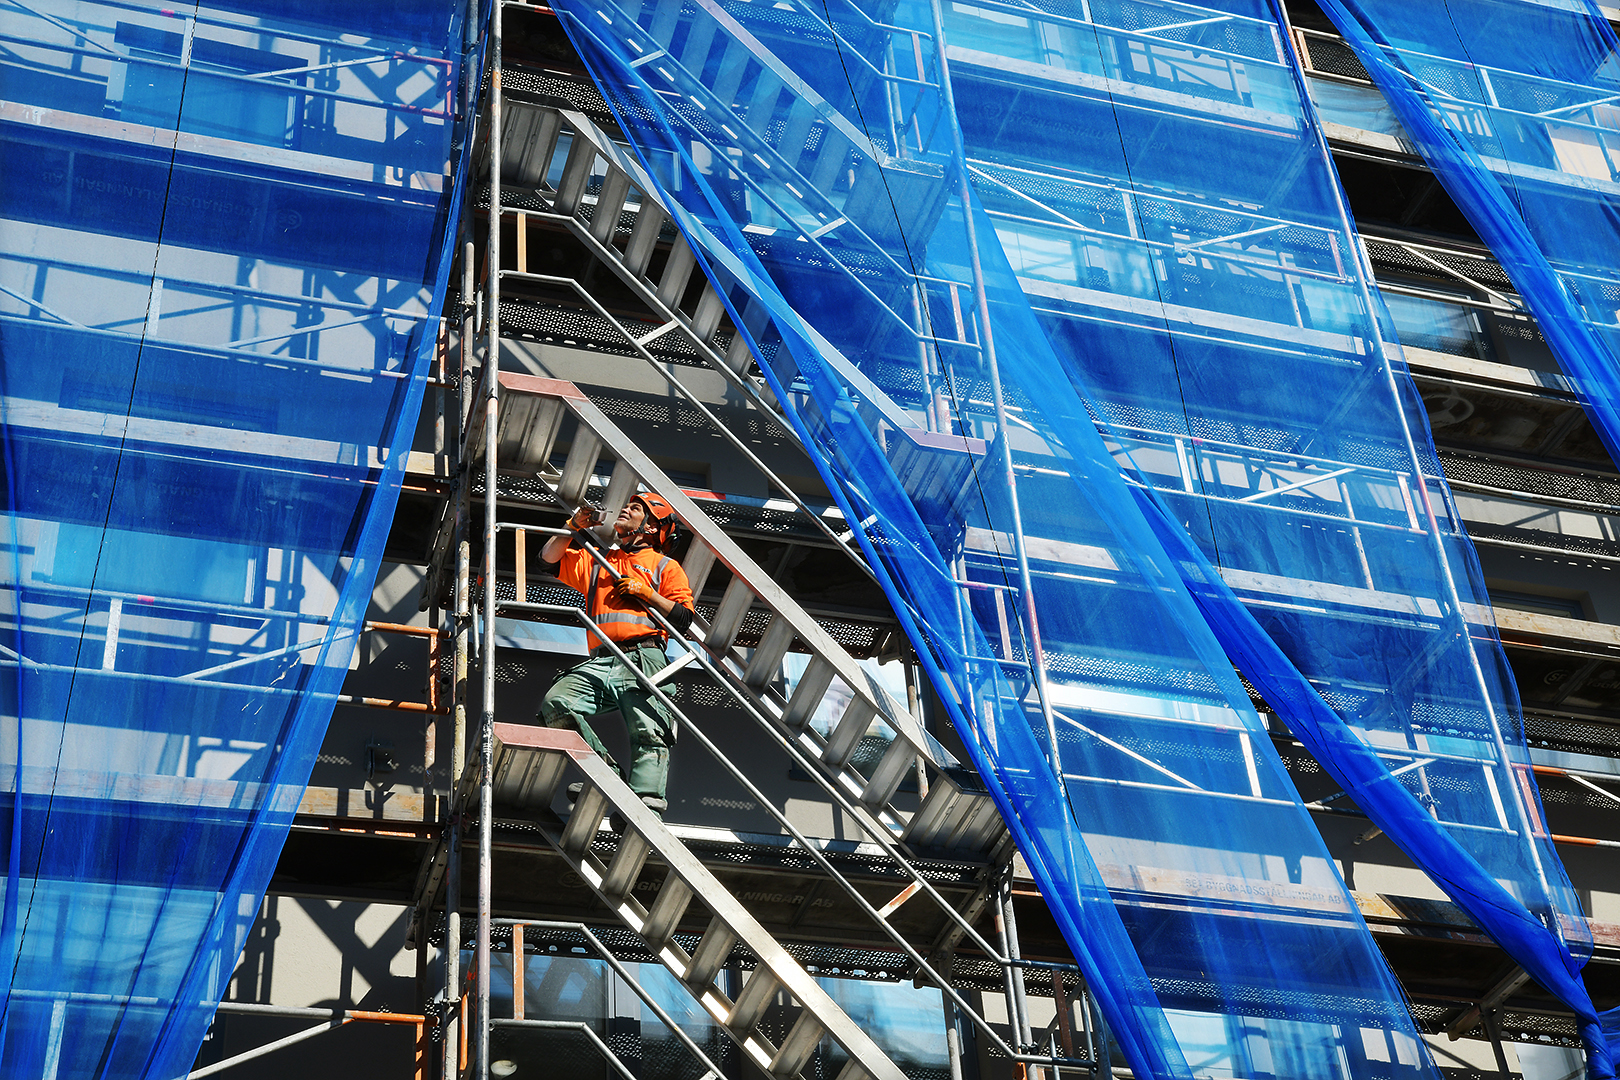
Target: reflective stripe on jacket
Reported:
point(615, 619)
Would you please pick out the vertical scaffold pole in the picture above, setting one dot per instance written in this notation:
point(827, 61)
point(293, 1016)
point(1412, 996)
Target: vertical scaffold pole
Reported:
point(472, 75)
point(1015, 952)
point(1037, 656)
point(462, 620)
point(953, 1041)
point(492, 390)
point(1528, 829)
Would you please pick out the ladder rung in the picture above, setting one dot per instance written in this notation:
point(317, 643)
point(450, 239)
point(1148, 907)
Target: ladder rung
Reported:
point(529, 142)
point(755, 315)
point(767, 658)
point(980, 824)
point(738, 354)
point(830, 157)
point(938, 815)
point(735, 63)
point(697, 564)
point(757, 995)
point(853, 1070)
point(797, 1047)
point(528, 780)
point(585, 821)
point(762, 106)
point(666, 17)
point(545, 145)
point(796, 132)
point(711, 953)
point(621, 485)
point(706, 319)
point(848, 732)
point(644, 236)
point(677, 272)
point(609, 204)
point(699, 40)
point(576, 175)
point(527, 429)
point(891, 769)
point(581, 464)
point(626, 865)
point(666, 912)
point(673, 668)
point(728, 617)
point(808, 694)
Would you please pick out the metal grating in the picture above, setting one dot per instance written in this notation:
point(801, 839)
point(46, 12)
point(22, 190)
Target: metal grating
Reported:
point(1388, 255)
point(1603, 492)
point(1574, 545)
point(560, 91)
point(1571, 736)
point(1333, 57)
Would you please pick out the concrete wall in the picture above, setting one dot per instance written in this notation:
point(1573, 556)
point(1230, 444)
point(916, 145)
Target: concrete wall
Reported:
point(321, 954)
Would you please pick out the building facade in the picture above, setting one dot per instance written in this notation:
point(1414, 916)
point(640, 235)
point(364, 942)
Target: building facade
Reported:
point(819, 779)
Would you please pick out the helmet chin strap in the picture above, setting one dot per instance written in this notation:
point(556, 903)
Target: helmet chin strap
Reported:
point(634, 540)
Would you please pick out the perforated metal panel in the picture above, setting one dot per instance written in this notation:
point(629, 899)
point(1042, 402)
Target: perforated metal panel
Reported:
point(1334, 58)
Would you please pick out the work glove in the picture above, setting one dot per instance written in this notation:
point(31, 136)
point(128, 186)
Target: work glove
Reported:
point(631, 588)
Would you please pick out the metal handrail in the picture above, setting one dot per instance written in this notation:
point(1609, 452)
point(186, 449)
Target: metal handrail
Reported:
point(220, 288)
point(111, 54)
point(814, 851)
point(1487, 70)
point(623, 973)
point(667, 370)
point(810, 194)
point(1028, 9)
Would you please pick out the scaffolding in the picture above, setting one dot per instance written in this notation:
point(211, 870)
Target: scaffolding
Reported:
point(553, 167)
point(564, 172)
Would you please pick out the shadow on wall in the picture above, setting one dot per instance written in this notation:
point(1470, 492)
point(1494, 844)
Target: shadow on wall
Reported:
point(326, 955)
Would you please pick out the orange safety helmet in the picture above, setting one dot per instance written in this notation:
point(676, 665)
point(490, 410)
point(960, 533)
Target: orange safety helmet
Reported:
point(659, 526)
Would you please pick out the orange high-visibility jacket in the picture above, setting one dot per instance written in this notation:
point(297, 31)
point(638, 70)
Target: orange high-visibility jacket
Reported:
point(627, 619)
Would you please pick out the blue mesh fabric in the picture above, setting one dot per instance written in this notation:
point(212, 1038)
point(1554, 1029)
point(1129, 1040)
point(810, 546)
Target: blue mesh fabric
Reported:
point(1514, 106)
point(1509, 103)
point(807, 152)
point(1216, 305)
point(222, 253)
point(1229, 328)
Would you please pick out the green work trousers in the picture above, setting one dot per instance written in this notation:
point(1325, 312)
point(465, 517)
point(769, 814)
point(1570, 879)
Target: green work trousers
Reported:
point(601, 684)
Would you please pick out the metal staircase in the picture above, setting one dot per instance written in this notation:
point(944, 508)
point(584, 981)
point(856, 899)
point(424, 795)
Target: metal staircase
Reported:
point(809, 141)
point(528, 429)
point(956, 814)
point(534, 766)
point(521, 767)
point(625, 225)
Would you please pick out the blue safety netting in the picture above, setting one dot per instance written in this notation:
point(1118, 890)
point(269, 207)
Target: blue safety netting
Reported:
point(1216, 303)
point(1516, 107)
point(1511, 103)
point(224, 239)
point(808, 153)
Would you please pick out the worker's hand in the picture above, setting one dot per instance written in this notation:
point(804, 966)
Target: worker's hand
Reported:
point(584, 518)
point(632, 588)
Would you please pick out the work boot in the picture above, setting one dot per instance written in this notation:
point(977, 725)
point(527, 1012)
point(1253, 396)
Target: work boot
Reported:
point(574, 791)
point(616, 821)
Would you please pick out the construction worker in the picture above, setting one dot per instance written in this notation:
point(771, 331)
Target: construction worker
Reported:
point(618, 608)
